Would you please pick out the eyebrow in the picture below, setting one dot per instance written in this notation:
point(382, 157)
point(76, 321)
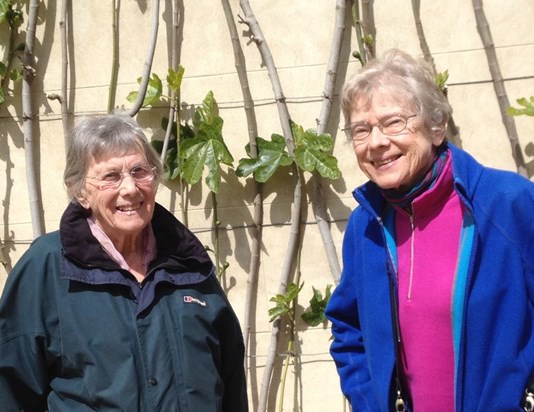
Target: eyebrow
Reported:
point(387, 116)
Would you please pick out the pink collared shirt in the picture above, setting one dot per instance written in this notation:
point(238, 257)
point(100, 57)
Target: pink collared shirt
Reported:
point(149, 244)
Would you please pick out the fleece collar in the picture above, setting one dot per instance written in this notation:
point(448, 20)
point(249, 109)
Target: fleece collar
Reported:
point(466, 173)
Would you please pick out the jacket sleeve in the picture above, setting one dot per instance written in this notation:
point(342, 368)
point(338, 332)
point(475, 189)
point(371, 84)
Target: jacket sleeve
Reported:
point(232, 364)
point(23, 382)
point(347, 348)
point(25, 361)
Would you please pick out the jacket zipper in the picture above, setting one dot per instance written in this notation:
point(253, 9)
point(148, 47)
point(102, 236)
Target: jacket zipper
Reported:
point(412, 255)
point(392, 274)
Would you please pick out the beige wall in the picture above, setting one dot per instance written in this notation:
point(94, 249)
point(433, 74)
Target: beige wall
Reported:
point(299, 34)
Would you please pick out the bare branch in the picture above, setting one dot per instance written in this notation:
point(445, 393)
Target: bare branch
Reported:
point(368, 27)
point(452, 130)
point(28, 119)
point(255, 255)
point(258, 38)
point(64, 71)
point(55, 96)
point(116, 4)
point(498, 84)
point(318, 202)
point(294, 238)
point(148, 61)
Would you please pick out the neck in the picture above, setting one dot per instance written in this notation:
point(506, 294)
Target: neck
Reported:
point(404, 198)
point(131, 245)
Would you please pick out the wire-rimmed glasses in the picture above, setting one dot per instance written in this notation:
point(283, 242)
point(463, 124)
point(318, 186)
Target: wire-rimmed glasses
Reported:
point(392, 125)
point(112, 179)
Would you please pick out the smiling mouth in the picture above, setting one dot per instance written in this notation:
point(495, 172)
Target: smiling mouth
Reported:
point(383, 162)
point(128, 209)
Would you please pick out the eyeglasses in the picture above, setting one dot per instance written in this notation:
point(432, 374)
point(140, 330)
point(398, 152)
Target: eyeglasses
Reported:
point(390, 126)
point(112, 179)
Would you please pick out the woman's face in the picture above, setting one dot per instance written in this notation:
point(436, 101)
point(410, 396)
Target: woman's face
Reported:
point(121, 212)
point(394, 162)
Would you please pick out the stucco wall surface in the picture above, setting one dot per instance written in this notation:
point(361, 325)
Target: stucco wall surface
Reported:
point(299, 34)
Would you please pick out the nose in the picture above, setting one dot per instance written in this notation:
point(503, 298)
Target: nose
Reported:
point(127, 183)
point(377, 138)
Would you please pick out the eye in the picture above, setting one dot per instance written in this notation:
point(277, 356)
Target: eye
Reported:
point(111, 176)
point(360, 129)
point(393, 122)
point(141, 172)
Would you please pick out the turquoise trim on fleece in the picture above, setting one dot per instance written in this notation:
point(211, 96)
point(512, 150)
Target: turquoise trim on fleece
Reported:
point(389, 232)
point(462, 269)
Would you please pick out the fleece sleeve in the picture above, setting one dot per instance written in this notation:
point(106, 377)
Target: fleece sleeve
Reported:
point(347, 348)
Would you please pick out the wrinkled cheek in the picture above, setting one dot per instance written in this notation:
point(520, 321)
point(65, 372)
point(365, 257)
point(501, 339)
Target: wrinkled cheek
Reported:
point(367, 171)
point(361, 162)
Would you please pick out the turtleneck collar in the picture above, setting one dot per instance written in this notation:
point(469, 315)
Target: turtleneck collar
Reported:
point(405, 198)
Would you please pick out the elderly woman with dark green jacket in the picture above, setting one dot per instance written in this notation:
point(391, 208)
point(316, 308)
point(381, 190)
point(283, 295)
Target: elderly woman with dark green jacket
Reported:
point(120, 309)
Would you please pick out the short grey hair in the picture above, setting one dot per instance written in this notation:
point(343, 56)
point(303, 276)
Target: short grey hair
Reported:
point(403, 77)
point(102, 136)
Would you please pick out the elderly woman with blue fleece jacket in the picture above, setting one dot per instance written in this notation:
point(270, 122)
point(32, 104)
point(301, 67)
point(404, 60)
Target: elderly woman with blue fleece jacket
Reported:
point(435, 307)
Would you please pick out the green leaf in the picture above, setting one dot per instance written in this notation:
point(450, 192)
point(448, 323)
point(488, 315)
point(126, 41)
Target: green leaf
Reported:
point(132, 96)
point(271, 155)
point(157, 145)
point(312, 152)
point(207, 148)
point(3, 70)
point(153, 91)
point(204, 151)
point(14, 17)
point(172, 164)
point(174, 78)
point(528, 109)
point(441, 79)
point(16, 75)
point(283, 302)
point(5, 5)
point(2, 98)
point(208, 112)
point(314, 315)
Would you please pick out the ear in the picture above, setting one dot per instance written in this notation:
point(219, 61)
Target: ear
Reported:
point(82, 200)
point(78, 195)
point(438, 134)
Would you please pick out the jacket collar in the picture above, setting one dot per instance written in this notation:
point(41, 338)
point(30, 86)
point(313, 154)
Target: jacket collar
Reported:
point(177, 248)
point(466, 173)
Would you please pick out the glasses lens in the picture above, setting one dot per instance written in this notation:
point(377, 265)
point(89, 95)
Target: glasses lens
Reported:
point(110, 177)
point(142, 173)
point(393, 125)
point(360, 131)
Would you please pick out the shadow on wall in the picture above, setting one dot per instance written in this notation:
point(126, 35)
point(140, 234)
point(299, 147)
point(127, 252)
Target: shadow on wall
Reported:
point(7, 244)
point(529, 151)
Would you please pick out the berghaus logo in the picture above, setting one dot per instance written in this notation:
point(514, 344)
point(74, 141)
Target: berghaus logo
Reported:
point(191, 299)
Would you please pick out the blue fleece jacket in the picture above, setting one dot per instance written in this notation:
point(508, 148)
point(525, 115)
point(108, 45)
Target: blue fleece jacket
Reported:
point(493, 308)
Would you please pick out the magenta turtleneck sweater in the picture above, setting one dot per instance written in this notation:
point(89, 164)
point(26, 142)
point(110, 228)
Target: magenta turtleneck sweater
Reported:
point(427, 252)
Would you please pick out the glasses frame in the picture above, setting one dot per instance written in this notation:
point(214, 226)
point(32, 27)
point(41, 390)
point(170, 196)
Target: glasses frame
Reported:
point(348, 129)
point(103, 185)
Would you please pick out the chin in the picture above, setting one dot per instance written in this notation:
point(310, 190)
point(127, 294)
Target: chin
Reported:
point(386, 184)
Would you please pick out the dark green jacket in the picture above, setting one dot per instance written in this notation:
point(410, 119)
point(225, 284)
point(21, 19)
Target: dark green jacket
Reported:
point(77, 333)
